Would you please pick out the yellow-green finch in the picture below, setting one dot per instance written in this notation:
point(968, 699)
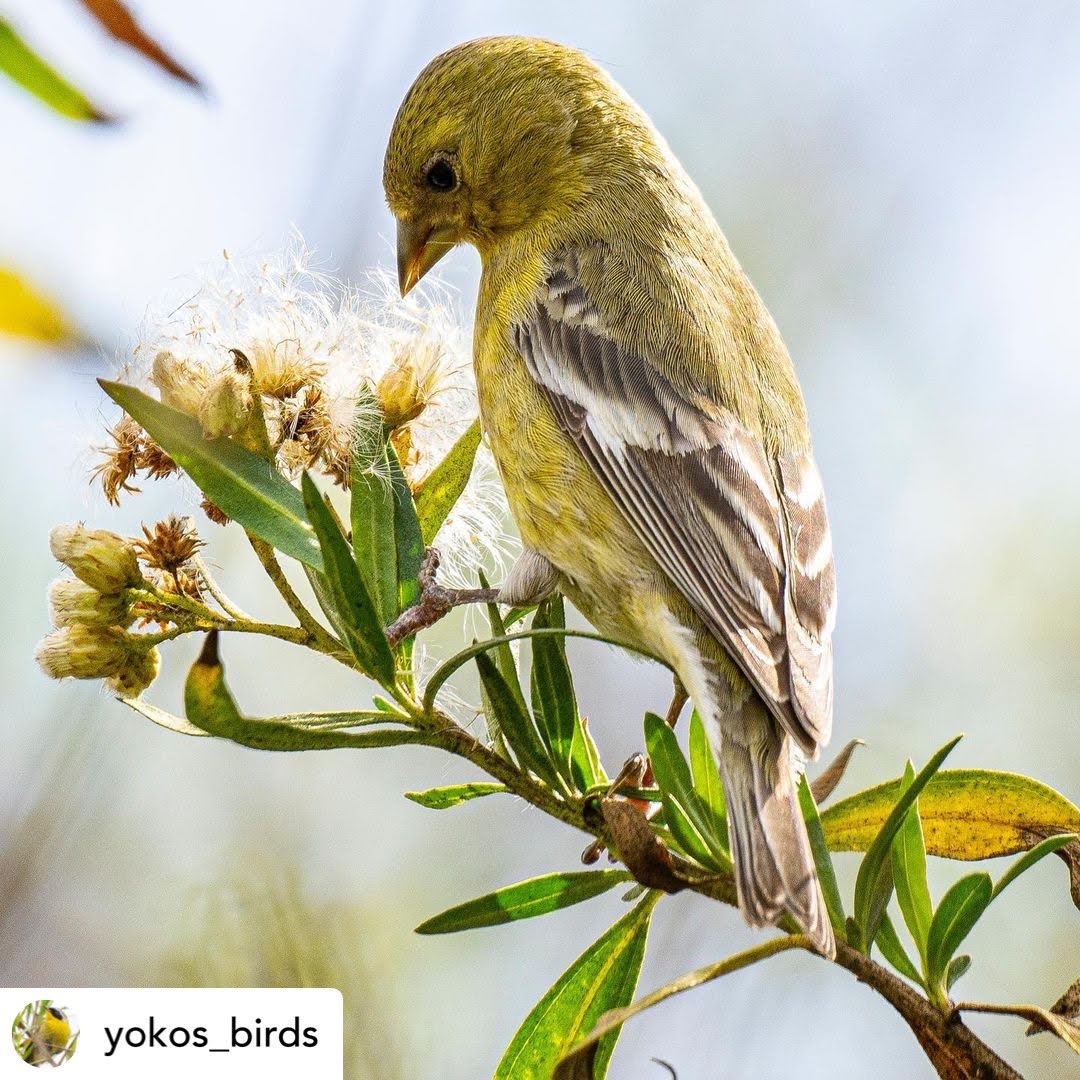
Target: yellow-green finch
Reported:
point(643, 411)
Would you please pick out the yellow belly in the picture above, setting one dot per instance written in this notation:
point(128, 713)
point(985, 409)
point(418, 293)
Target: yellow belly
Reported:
point(560, 508)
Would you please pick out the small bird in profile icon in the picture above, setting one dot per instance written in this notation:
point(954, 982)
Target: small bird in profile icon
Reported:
point(48, 1037)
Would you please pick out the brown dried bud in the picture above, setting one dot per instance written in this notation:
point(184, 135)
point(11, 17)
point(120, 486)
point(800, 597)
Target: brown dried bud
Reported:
point(72, 601)
point(102, 559)
point(169, 546)
point(84, 652)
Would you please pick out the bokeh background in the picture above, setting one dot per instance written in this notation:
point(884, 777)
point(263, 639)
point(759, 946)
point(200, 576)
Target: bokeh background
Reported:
point(900, 181)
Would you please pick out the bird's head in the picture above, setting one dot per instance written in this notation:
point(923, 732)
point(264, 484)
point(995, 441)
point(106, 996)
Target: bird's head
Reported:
point(496, 136)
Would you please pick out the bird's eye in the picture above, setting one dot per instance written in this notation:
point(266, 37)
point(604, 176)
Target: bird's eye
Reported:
point(439, 175)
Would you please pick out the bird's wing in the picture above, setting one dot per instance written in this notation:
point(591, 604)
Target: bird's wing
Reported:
point(742, 535)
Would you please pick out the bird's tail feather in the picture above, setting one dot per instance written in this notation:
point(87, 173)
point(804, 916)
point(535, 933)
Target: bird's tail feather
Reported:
point(774, 867)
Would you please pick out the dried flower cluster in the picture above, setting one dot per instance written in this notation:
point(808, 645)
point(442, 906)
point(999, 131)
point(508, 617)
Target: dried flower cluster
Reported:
point(324, 368)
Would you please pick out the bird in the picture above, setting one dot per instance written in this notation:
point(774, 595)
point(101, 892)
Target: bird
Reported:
point(644, 414)
point(51, 1035)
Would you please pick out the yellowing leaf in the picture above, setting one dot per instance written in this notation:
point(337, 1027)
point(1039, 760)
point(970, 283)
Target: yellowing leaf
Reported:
point(24, 312)
point(966, 814)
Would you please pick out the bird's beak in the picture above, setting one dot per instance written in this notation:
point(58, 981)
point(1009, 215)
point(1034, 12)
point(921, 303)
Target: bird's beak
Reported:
point(419, 248)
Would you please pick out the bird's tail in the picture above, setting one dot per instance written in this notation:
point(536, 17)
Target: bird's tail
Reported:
point(774, 867)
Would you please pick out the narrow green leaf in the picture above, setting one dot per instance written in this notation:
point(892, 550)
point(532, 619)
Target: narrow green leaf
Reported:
point(871, 880)
point(23, 66)
point(1030, 858)
point(442, 798)
point(958, 967)
point(243, 485)
point(515, 722)
point(822, 860)
point(602, 978)
point(687, 817)
point(553, 701)
point(959, 910)
point(525, 900)
point(357, 620)
point(502, 654)
point(442, 488)
point(706, 776)
point(909, 873)
point(585, 759)
point(583, 1061)
point(371, 514)
point(210, 706)
point(410, 544)
point(162, 718)
point(888, 941)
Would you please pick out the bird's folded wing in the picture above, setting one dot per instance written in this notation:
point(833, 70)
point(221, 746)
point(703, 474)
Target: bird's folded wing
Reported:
point(744, 537)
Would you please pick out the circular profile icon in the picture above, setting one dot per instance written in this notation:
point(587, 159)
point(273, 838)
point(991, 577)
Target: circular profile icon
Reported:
point(44, 1033)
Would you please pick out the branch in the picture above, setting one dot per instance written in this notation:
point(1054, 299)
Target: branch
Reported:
point(953, 1049)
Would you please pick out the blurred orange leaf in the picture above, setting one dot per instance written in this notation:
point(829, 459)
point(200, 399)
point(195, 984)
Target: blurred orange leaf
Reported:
point(118, 21)
point(26, 313)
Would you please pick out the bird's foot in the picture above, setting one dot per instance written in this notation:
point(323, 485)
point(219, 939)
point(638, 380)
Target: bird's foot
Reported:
point(435, 602)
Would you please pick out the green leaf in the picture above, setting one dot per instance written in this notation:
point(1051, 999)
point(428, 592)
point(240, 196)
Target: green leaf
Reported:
point(888, 941)
point(502, 654)
point(966, 814)
point(410, 544)
point(585, 758)
point(242, 484)
point(446, 669)
point(442, 798)
point(162, 718)
point(442, 488)
point(706, 777)
point(874, 879)
point(687, 817)
point(583, 1060)
point(515, 722)
point(23, 66)
point(602, 978)
point(959, 910)
point(822, 860)
point(909, 873)
point(958, 967)
point(553, 701)
point(527, 899)
point(210, 707)
point(371, 514)
point(357, 621)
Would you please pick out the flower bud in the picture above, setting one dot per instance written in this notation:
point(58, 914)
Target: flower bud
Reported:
point(84, 652)
point(102, 559)
point(72, 601)
point(399, 394)
point(140, 671)
point(227, 404)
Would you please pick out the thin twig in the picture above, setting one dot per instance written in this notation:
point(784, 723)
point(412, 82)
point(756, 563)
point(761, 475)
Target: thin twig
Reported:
point(265, 554)
point(215, 590)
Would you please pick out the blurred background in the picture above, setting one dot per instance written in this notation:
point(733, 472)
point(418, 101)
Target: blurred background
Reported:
point(900, 181)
